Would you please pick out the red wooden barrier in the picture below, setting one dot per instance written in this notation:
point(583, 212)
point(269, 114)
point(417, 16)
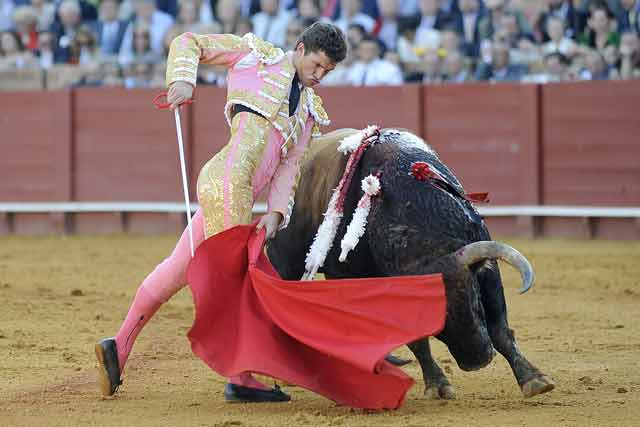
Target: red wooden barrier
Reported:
point(36, 162)
point(591, 152)
point(384, 106)
point(569, 144)
point(488, 135)
point(126, 150)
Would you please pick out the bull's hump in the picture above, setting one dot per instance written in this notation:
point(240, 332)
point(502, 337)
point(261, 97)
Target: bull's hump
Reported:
point(406, 140)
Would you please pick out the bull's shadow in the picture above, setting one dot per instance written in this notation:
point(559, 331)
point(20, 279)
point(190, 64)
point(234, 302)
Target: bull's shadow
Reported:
point(414, 228)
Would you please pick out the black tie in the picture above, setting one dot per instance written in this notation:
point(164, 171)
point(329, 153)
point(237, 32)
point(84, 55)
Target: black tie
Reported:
point(294, 95)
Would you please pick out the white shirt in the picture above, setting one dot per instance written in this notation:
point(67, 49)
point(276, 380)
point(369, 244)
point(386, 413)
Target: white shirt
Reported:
point(361, 19)
point(564, 46)
point(378, 72)
point(272, 28)
point(6, 15)
point(389, 34)
point(427, 38)
point(160, 24)
point(469, 21)
point(408, 8)
point(406, 50)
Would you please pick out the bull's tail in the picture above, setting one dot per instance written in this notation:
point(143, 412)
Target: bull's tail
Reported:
point(486, 250)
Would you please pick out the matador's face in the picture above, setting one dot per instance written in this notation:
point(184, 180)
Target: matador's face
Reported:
point(311, 66)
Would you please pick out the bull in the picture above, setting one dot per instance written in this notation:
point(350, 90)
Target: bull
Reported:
point(414, 228)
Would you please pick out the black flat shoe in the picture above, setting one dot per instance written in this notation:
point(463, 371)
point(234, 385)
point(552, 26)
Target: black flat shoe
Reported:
point(240, 394)
point(108, 367)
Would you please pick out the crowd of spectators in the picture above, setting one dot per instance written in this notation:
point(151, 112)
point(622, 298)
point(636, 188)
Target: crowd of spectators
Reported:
point(125, 42)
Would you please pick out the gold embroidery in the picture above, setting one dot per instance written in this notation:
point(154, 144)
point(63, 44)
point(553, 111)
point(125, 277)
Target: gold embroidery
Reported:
point(246, 146)
point(318, 111)
point(265, 51)
point(186, 50)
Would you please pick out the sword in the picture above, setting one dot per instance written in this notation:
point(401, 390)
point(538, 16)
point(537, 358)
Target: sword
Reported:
point(183, 163)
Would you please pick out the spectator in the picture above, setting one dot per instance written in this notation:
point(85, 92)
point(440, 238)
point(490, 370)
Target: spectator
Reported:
point(509, 28)
point(25, 20)
point(46, 49)
point(554, 69)
point(112, 74)
point(558, 42)
point(351, 13)
point(355, 34)
point(387, 28)
point(565, 12)
point(93, 76)
point(455, 68)
point(595, 66)
point(46, 11)
point(243, 26)
point(450, 9)
point(84, 48)
point(629, 16)
point(109, 29)
point(294, 30)
point(159, 73)
point(188, 19)
point(449, 41)
point(157, 23)
point(523, 51)
point(467, 26)
point(369, 69)
point(228, 15)
point(309, 10)
point(6, 14)
point(629, 55)
point(13, 55)
point(271, 23)
point(70, 16)
point(599, 34)
point(500, 69)
point(431, 21)
point(212, 75)
point(488, 22)
point(408, 50)
point(137, 75)
point(431, 68)
point(142, 49)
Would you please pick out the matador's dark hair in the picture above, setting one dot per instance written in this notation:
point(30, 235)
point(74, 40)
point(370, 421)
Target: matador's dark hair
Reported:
point(327, 38)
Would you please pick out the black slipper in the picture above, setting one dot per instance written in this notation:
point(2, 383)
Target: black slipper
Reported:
point(240, 394)
point(108, 367)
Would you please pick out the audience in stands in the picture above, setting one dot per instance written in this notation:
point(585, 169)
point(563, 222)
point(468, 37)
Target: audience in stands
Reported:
point(125, 42)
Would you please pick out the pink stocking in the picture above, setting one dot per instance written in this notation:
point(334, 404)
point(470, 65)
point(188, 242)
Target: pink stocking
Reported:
point(159, 286)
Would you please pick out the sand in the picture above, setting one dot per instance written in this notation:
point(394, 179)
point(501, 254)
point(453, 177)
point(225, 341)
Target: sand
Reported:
point(60, 295)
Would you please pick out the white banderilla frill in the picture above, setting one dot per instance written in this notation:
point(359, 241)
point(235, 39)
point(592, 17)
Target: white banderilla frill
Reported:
point(356, 229)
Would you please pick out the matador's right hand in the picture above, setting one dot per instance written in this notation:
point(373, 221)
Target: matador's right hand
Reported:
point(178, 93)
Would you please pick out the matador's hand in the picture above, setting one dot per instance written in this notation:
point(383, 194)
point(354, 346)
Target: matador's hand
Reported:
point(178, 93)
point(270, 222)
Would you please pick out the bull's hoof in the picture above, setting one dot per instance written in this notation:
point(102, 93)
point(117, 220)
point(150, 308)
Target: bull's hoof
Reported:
point(442, 391)
point(538, 385)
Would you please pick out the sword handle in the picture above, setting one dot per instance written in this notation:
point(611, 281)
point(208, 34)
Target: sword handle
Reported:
point(165, 105)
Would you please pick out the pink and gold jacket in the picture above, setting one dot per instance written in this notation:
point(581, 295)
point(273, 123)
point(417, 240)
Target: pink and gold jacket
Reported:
point(259, 77)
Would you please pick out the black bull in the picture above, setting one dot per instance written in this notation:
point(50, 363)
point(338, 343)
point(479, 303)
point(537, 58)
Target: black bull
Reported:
point(414, 227)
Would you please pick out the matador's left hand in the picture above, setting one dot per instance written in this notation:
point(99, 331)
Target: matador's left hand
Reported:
point(270, 222)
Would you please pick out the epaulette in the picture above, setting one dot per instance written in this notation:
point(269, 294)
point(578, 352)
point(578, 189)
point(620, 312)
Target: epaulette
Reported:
point(266, 53)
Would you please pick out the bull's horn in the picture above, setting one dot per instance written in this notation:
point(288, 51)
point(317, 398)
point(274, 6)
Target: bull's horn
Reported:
point(480, 251)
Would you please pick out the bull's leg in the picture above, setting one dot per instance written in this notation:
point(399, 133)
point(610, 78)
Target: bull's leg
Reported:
point(436, 384)
point(531, 380)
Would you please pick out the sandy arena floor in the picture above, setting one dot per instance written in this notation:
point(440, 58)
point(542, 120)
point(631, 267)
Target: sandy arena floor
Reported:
point(61, 294)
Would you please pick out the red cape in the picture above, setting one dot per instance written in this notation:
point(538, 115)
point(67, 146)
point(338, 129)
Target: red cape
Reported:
point(329, 336)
